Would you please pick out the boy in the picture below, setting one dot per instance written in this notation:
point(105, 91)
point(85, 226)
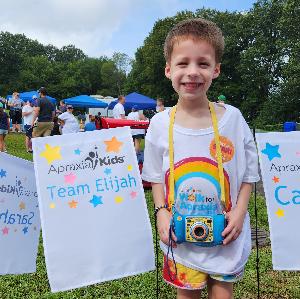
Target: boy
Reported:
point(193, 51)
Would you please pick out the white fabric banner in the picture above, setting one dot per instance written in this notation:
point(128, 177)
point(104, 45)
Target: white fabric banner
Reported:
point(94, 216)
point(19, 216)
point(279, 155)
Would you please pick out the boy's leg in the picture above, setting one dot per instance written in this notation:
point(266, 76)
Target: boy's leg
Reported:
point(188, 294)
point(219, 289)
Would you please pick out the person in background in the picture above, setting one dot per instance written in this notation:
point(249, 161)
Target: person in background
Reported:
point(34, 100)
point(118, 111)
point(27, 114)
point(62, 106)
point(44, 111)
point(68, 121)
point(90, 126)
point(3, 101)
point(4, 127)
point(160, 106)
point(98, 121)
point(56, 127)
point(221, 99)
point(15, 107)
point(137, 134)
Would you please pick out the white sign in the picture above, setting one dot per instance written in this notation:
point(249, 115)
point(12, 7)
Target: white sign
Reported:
point(93, 211)
point(19, 216)
point(280, 166)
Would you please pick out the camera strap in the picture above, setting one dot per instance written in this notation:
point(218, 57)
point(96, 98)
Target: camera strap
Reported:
point(171, 194)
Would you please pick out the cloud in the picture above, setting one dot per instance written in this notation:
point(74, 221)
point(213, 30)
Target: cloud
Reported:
point(98, 27)
point(88, 24)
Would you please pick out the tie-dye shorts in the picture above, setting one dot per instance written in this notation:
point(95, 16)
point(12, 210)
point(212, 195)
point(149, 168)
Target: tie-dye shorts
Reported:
point(191, 279)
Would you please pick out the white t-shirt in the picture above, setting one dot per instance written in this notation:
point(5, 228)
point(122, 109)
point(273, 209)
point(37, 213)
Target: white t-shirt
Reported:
point(118, 110)
point(27, 118)
point(135, 116)
point(71, 124)
point(197, 182)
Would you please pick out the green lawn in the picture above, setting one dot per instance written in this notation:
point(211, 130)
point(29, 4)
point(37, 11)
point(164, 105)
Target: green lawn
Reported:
point(273, 284)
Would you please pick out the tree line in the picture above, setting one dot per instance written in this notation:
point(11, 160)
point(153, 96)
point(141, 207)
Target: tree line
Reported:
point(259, 71)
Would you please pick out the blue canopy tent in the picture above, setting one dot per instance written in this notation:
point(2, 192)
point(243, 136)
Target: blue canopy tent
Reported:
point(134, 98)
point(27, 95)
point(84, 101)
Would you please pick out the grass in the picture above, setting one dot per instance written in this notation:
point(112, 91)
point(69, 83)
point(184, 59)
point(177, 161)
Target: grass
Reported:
point(273, 284)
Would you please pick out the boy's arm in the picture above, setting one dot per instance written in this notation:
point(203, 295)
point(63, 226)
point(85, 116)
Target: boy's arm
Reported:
point(236, 216)
point(163, 216)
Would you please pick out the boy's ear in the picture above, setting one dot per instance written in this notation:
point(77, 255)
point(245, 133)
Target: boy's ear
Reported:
point(168, 71)
point(217, 71)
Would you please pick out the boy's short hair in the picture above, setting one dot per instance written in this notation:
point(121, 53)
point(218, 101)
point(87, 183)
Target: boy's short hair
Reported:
point(120, 97)
point(198, 29)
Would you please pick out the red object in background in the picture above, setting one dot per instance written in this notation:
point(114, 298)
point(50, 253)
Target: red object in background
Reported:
point(108, 123)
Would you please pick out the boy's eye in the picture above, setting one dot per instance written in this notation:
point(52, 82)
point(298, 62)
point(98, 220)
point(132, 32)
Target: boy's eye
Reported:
point(181, 63)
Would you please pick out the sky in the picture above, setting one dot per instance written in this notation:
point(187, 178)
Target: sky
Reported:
point(98, 27)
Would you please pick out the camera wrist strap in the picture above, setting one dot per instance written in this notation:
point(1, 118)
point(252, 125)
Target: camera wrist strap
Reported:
point(171, 194)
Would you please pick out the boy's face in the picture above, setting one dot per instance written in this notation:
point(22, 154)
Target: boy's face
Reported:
point(191, 68)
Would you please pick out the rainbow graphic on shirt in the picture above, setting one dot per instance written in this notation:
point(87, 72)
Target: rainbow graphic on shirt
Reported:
point(192, 169)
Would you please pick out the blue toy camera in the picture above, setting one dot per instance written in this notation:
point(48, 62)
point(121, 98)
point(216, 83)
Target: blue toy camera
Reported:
point(203, 231)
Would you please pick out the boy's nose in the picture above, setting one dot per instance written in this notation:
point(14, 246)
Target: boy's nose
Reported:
point(193, 71)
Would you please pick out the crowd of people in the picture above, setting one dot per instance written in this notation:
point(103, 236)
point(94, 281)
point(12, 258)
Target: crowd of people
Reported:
point(39, 117)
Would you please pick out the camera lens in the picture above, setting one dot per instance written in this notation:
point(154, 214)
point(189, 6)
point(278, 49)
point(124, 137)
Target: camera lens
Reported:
point(199, 231)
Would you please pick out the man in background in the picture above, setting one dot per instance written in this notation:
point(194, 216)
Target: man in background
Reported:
point(118, 111)
point(43, 113)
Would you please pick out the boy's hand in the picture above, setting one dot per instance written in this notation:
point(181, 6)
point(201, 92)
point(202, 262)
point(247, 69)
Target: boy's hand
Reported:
point(235, 219)
point(163, 225)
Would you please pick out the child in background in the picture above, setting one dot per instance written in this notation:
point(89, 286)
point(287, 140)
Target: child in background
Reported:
point(160, 105)
point(4, 127)
point(208, 140)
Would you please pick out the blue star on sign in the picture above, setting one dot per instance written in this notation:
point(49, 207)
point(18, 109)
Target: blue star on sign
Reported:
point(2, 173)
point(271, 151)
point(25, 230)
point(107, 171)
point(77, 151)
point(96, 200)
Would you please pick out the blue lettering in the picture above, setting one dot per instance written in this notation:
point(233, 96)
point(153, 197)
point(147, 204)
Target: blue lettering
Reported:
point(295, 197)
point(51, 192)
point(99, 185)
point(61, 192)
point(277, 196)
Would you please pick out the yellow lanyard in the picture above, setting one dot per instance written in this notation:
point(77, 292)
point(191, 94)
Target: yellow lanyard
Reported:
point(218, 151)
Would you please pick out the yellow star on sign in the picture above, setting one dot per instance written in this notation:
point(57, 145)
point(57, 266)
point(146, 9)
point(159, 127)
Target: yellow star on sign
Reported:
point(119, 199)
point(51, 153)
point(22, 205)
point(279, 213)
point(129, 167)
point(52, 205)
point(113, 145)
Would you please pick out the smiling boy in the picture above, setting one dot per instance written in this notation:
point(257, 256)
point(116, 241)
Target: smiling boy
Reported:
point(193, 51)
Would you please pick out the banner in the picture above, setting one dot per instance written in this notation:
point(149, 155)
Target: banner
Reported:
point(94, 216)
point(19, 216)
point(279, 155)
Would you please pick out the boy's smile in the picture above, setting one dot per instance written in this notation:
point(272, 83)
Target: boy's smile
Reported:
point(192, 68)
